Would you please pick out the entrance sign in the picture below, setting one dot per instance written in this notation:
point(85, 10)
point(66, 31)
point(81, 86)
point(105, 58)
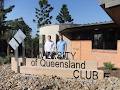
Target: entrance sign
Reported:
point(13, 43)
point(86, 70)
point(64, 64)
point(19, 36)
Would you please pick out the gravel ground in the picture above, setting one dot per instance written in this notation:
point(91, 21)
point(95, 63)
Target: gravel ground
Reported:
point(14, 81)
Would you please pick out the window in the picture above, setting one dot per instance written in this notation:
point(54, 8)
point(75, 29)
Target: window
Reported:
point(104, 40)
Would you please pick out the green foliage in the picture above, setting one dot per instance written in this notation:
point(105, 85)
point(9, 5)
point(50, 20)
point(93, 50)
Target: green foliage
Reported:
point(43, 13)
point(4, 12)
point(1, 60)
point(9, 28)
point(20, 24)
point(4, 27)
point(3, 23)
point(108, 66)
point(35, 46)
point(4, 60)
point(64, 16)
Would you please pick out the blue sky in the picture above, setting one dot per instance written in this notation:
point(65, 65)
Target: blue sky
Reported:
point(82, 11)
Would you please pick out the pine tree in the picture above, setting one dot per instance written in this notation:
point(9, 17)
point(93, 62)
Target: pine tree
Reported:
point(64, 16)
point(3, 22)
point(43, 17)
point(4, 27)
point(8, 29)
point(43, 13)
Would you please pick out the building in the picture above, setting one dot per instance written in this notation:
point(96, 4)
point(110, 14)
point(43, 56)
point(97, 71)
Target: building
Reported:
point(98, 41)
point(53, 31)
point(112, 8)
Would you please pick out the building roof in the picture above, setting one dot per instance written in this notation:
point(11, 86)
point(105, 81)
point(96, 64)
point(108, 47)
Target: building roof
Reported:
point(89, 26)
point(75, 31)
point(112, 8)
point(109, 3)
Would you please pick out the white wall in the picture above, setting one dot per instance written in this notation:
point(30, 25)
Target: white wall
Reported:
point(50, 30)
point(53, 30)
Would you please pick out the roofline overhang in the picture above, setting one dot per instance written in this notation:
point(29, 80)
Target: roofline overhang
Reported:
point(89, 27)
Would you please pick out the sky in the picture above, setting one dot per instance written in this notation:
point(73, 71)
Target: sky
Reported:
point(82, 11)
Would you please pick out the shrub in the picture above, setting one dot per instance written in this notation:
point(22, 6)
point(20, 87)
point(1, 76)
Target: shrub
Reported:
point(4, 60)
point(1, 60)
point(2, 54)
point(108, 66)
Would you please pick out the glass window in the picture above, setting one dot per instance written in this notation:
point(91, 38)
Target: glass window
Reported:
point(104, 40)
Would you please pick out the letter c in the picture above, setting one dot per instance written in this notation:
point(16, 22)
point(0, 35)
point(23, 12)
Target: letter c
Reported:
point(42, 62)
point(75, 74)
point(33, 63)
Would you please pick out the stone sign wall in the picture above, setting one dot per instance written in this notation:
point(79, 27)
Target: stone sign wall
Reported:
point(61, 68)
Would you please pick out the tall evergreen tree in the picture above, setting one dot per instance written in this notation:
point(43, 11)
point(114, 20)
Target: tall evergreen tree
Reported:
point(64, 15)
point(42, 17)
point(3, 13)
point(43, 13)
point(4, 28)
point(20, 24)
point(8, 29)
